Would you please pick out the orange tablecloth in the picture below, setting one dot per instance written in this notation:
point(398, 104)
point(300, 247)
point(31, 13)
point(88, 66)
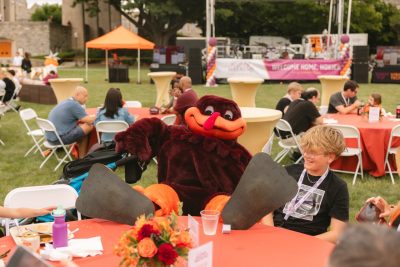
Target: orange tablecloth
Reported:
point(260, 246)
point(374, 142)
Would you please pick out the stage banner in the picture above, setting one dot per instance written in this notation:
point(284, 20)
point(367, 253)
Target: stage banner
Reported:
point(232, 67)
point(281, 69)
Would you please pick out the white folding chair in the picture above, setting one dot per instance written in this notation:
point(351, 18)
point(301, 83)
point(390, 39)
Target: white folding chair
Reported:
point(37, 197)
point(169, 119)
point(10, 103)
point(351, 132)
point(133, 104)
point(392, 150)
point(37, 135)
point(268, 146)
point(288, 144)
point(48, 126)
point(110, 127)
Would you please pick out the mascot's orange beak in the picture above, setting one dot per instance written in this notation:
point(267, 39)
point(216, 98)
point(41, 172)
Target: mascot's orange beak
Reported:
point(214, 125)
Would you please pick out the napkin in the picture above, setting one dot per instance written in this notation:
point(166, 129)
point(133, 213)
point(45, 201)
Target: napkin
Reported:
point(329, 121)
point(76, 248)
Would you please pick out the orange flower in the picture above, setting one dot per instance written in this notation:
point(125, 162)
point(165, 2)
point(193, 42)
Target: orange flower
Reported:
point(146, 248)
point(181, 239)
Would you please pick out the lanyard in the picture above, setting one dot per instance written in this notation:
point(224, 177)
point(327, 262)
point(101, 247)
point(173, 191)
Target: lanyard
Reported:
point(346, 100)
point(293, 206)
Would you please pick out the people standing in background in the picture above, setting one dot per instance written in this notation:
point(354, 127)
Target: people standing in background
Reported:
point(26, 63)
point(17, 60)
point(345, 102)
point(294, 91)
point(113, 111)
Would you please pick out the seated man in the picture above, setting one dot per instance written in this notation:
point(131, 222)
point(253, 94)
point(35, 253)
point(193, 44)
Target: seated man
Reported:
point(345, 102)
point(302, 113)
point(9, 88)
point(294, 91)
point(72, 122)
point(322, 201)
point(185, 100)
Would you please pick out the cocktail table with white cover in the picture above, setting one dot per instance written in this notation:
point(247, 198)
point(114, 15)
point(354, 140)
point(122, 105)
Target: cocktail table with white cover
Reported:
point(162, 80)
point(244, 90)
point(64, 87)
point(260, 124)
point(330, 85)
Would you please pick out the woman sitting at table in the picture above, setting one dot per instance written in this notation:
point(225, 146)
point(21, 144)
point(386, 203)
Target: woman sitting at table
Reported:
point(113, 111)
point(322, 200)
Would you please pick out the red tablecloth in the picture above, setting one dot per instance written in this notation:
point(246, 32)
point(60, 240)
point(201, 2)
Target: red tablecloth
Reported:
point(260, 246)
point(374, 142)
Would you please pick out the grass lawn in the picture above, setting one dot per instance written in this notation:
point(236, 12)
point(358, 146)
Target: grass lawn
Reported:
point(17, 171)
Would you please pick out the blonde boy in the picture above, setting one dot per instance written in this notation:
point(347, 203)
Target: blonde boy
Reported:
point(322, 201)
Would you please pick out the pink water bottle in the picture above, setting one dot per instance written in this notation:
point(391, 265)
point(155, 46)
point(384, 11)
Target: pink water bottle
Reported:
point(60, 231)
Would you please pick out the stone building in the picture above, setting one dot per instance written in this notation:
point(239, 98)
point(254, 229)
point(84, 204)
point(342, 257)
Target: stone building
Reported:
point(85, 28)
point(18, 32)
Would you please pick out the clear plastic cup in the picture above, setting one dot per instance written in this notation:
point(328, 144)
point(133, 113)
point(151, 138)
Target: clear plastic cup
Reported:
point(209, 220)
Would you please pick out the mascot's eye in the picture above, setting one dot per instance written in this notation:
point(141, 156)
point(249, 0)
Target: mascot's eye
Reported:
point(228, 115)
point(209, 110)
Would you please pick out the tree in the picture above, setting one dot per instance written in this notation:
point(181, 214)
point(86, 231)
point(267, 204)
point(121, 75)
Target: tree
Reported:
point(158, 20)
point(47, 13)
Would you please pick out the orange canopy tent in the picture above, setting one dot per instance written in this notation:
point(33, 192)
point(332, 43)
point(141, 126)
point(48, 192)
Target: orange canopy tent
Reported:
point(120, 38)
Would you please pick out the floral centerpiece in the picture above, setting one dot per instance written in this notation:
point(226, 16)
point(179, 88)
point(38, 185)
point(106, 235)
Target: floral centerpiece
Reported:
point(154, 241)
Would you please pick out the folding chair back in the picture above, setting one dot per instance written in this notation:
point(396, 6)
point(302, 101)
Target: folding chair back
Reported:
point(37, 135)
point(392, 150)
point(133, 104)
point(48, 126)
point(287, 145)
point(36, 197)
point(110, 127)
point(169, 119)
point(351, 132)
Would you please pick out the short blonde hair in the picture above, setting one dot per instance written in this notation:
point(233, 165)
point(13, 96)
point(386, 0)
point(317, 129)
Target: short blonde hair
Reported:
point(293, 87)
point(323, 137)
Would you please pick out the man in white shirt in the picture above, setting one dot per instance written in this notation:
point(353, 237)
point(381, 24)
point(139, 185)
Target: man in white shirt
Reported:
point(17, 60)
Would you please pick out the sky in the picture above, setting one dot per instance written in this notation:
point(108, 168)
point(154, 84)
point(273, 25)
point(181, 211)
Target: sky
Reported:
point(40, 2)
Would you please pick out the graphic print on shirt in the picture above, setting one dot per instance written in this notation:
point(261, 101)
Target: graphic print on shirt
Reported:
point(310, 207)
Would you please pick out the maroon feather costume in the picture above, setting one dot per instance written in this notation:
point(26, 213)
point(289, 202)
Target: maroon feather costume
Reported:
point(196, 164)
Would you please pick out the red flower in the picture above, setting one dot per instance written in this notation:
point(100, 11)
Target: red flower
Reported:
point(146, 231)
point(167, 254)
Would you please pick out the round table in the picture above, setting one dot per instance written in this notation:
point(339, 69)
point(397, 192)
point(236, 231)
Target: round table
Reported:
point(162, 80)
point(330, 85)
point(374, 142)
point(244, 90)
point(261, 245)
point(260, 124)
point(64, 87)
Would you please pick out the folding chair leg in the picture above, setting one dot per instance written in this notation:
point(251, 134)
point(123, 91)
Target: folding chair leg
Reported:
point(390, 171)
point(47, 158)
point(1, 142)
point(356, 172)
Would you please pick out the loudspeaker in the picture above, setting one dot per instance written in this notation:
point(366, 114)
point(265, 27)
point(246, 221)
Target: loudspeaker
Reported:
point(360, 53)
point(359, 72)
point(195, 66)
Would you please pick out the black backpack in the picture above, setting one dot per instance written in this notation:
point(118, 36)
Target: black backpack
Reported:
point(105, 154)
